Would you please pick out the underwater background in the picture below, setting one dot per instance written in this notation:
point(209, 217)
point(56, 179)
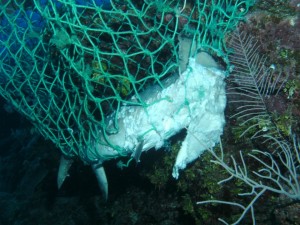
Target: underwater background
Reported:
point(146, 193)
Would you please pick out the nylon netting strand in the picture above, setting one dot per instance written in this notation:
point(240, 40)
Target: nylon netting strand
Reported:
point(67, 65)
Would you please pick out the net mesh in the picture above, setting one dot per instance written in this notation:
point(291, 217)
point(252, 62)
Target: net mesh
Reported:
point(67, 65)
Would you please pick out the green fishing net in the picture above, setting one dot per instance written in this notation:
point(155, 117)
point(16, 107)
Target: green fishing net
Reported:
point(67, 65)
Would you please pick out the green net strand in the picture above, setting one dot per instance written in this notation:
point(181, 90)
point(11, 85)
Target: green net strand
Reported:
point(70, 67)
